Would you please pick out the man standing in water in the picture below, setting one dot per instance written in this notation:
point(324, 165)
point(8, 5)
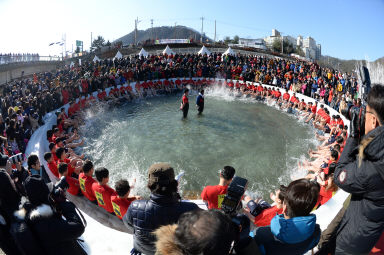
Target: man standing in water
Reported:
point(185, 103)
point(200, 102)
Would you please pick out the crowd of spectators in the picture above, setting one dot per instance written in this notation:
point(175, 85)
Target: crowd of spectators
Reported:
point(24, 103)
point(18, 57)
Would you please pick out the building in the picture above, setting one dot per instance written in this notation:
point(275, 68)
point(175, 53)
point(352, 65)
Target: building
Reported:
point(299, 41)
point(309, 42)
point(308, 45)
point(318, 52)
point(254, 43)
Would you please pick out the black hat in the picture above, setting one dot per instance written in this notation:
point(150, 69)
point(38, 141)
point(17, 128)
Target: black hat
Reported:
point(36, 189)
point(3, 159)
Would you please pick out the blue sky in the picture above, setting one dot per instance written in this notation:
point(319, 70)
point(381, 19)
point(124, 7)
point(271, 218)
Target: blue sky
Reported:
point(348, 29)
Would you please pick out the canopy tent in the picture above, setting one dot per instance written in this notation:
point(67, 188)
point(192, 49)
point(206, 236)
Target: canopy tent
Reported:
point(118, 55)
point(204, 51)
point(229, 51)
point(143, 53)
point(168, 51)
point(96, 58)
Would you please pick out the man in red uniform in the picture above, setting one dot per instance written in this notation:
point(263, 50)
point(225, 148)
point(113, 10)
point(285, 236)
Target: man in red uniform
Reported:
point(52, 164)
point(86, 181)
point(122, 200)
point(185, 103)
point(102, 191)
point(74, 186)
point(213, 196)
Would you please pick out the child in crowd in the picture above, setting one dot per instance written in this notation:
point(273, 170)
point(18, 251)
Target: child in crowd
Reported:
point(122, 200)
point(295, 231)
point(102, 191)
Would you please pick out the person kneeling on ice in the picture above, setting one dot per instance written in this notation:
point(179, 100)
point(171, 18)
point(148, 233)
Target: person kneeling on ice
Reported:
point(163, 208)
point(295, 231)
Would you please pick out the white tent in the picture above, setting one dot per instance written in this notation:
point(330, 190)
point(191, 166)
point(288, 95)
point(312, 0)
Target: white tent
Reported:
point(118, 55)
point(143, 53)
point(204, 50)
point(96, 58)
point(229, 51)
point(168, 51)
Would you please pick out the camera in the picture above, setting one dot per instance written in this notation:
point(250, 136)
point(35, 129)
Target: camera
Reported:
point(232, 200)
point(58, 192)
point(16, 158)
point(359, 113)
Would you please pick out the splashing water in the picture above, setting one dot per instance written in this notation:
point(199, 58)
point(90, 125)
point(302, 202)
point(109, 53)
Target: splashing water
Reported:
point(261, 142)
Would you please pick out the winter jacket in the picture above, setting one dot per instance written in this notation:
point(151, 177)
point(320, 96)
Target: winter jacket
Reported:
point(55, 234)
point(288, 236)
point(145, 216)
point(361, 172)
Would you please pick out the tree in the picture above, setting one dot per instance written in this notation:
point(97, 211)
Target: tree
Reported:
point(236, 39)
point(98, 42)
point(276, 45)
point(299, 51)
point(108, 43)
point(227, 39)
point(288, 47)
point(118, 44)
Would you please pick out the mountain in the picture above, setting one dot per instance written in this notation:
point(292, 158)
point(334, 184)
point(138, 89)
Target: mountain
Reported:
point(345, 65)
point(165, 32)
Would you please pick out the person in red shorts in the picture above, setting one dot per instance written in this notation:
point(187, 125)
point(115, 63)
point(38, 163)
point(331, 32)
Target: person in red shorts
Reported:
point(122, 200)
point(102, 191)
point(213, 196)
point(74, 186)
point(52, 164)
point(86, 181)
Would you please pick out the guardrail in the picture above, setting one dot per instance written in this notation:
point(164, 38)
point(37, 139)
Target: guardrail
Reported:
point(26, 58)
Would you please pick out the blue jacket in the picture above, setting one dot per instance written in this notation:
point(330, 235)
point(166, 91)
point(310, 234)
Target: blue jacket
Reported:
point(288, 236)
point(145, 216)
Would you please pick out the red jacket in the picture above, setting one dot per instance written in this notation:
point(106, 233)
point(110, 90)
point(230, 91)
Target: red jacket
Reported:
point(86, 186)
point(103, 195)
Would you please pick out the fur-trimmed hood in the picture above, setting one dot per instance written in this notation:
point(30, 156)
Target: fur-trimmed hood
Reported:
point(372, 147)
point(42, 211)
point(165, 244)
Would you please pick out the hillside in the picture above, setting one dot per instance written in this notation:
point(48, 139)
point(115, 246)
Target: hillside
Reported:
point(178, 32)
point(345, 65)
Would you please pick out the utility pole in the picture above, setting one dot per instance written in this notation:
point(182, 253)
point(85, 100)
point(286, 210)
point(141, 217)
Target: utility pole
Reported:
point(175, 30)
point(136, 29)
point(137, 21)
point(215, 33)
point(202, 29)
point(152, 29)
point(282, 44)
point(91, 42)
